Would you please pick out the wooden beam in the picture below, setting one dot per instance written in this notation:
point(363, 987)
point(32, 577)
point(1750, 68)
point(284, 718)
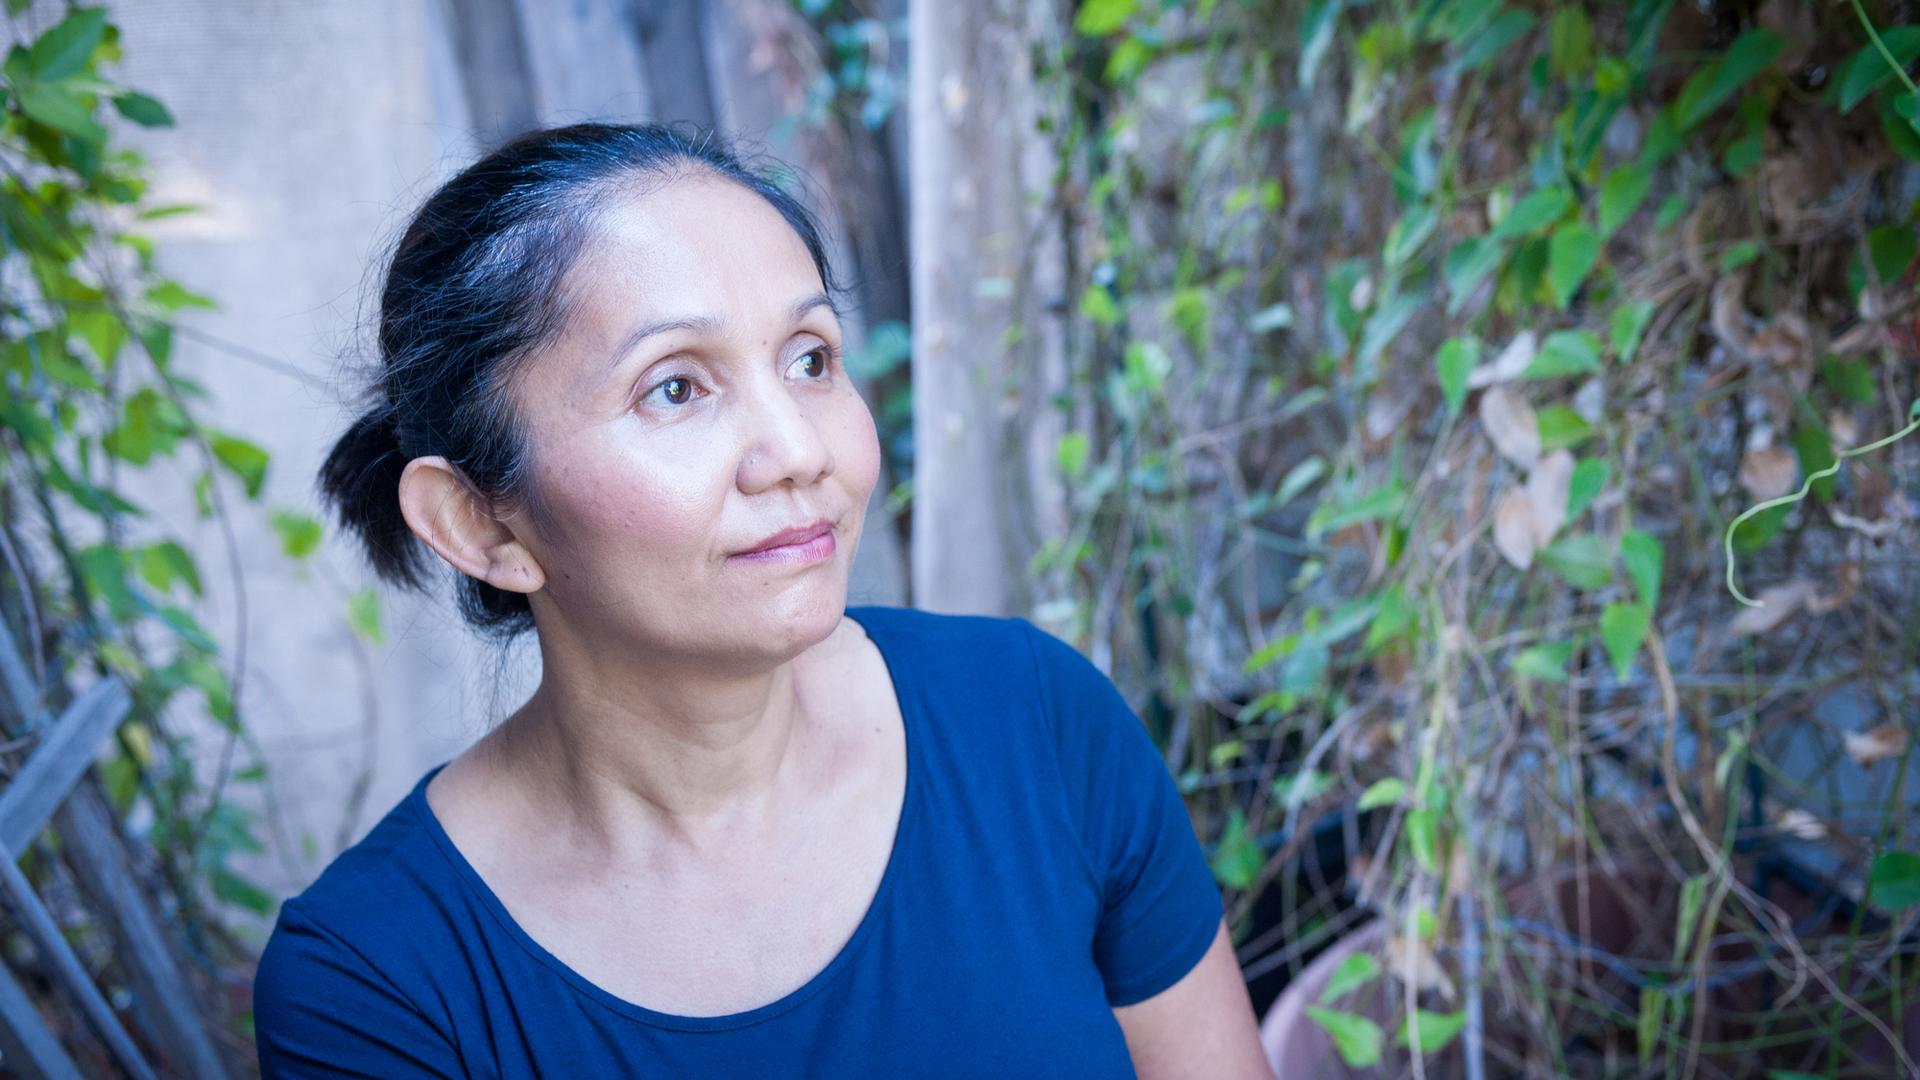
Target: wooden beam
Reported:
point(31, 1048)
point(91, 837)
point(61, 758)
point(67, 967)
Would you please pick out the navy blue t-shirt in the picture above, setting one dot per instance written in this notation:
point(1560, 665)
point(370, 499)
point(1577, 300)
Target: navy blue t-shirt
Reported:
point(1043, 871)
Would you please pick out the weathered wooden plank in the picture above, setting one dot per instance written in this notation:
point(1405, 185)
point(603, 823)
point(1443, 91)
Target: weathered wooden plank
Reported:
point(31, 1048)
point(94, 849)
point(72, 974)
point(59, 761)
point(90, 834)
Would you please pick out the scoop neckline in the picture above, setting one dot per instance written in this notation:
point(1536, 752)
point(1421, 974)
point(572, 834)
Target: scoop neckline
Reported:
point(876, 907)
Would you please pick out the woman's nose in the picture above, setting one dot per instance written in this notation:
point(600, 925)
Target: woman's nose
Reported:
point(783, 438)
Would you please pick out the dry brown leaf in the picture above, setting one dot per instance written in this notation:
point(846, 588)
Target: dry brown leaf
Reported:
point(1800, 823)
point(1879, 744)
point(1844, 429)
point(1412, 960)
point(1729, 316)
point(1864, 337)
point(1509, 364)
point(1777, 605)
point(1786, 342)
point(1848, 579)
point(1548, 488)
point(1513, 531)
point(1510, 423)
point(1768, 472)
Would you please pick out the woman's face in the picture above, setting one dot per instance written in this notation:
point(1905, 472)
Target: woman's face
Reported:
point(694, 405)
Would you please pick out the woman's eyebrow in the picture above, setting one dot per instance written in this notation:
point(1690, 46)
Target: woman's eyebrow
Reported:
point(701, 324)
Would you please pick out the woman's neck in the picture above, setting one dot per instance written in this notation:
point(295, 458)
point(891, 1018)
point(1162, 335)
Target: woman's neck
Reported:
point(699, 761)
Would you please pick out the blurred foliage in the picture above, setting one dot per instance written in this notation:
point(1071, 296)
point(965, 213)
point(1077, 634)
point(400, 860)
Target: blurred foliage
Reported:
point(97, 432)
point(1435, 346)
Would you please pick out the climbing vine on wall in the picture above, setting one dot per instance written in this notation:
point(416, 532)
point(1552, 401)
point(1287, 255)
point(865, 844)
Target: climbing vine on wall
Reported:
point(1436, 347)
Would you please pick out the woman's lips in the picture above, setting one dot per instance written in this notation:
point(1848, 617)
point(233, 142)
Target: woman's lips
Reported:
point(815, 550)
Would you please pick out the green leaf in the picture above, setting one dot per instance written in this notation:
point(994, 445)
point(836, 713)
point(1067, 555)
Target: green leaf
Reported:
point(1408, 233)
point(1357, 1038)
point(1298, 479)
point(1467, 264)
point(1890, 249)
point(1653, 1008)
point(1422, 828)
point(142, 109)
point(1569, 43)
point(363, 614)
point(1893, 884)
point(1643, 557)
point(1381, 502)
point(1533, 213)
point(1581, 559)
point(1629, 323)
point(1436, 1030)
point(1300, 788)
point(201, 674)
point(1098, 18)
point(64, 49)
point(1269, 319)
point(1546, 661)
point(1853, 380)
point(61, 109)
point(1316, 36)
point(235, 889)
point(1384, 325)
point(1753, 533)
point(1570, 258)
point(1356, 971)
point(1739, 255)
point(1237, 861)
point(171, 296)
point(1305, 670)
point(1381, 793)
point(1507, 27)
point(1395, 618)
point(166, 562)
point(103, 332)
point(299, 534)
point(1561, 428)
point(1713, 84)
point(1866, 70)
point(1565, 352)
point(1620, 195)
point(1097, 304)
point(1813, 445)
point(1589, 476)
point(1622, 628)
point(1455, 360)
point(1743, 154)
point(1671, 209)
point(244, 460)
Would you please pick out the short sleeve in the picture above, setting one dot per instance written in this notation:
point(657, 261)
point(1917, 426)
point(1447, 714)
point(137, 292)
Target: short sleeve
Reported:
point(321, 1010)
point(1160, 907)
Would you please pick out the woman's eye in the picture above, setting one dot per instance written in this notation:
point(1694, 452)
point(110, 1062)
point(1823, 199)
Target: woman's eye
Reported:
point(825, 354)
point(668, 388)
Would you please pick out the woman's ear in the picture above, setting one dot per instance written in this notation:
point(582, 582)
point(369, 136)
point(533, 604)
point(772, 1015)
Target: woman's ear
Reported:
point(445, 511)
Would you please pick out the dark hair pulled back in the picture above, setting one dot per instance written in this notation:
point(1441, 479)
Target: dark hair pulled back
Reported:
point(473, 288)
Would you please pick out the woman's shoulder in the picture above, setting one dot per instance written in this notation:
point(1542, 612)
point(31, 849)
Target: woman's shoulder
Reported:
point(347, 980)
point(376, 896)
point(958, 648)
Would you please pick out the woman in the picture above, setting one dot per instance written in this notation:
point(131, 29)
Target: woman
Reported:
point(740, 829)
